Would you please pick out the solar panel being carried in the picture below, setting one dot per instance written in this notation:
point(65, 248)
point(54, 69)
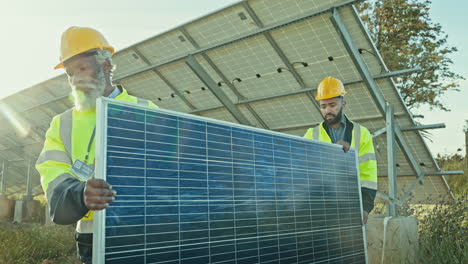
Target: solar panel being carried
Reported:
point(196, 190)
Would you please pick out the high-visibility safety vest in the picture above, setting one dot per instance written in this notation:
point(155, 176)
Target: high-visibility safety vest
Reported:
point(361, 141)
point(66, 141)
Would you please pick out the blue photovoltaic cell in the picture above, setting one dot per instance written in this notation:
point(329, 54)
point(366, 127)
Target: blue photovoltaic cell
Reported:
point(196, 191)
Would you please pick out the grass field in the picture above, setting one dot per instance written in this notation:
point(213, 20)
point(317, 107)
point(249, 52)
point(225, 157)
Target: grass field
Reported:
point(36, 243)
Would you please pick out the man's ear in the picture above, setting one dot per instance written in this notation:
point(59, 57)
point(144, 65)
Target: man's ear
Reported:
point(106, 67)
point(343, 105)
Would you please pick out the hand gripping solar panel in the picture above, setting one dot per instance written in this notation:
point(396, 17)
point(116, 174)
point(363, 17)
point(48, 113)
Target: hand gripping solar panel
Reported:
point(196, 190)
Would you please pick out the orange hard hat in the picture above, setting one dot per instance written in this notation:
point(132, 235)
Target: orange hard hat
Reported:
point(329, 87)
point(76, 40)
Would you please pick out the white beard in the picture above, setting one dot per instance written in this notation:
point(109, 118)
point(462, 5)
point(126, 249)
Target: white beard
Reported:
point(86, 101)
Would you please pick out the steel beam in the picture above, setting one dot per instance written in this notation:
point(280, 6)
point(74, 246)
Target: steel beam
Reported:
point(374, 48)
point(358, 60)
point(388, 199)
point(391, 164)
point(365, 119)
point(295, 92)
point(169, 84)
point(424, 127)
point(211, 63)
point(223, 77)
point(2, 180)
point(411, 188)
point(455, 172)
point(432, 173)
point(420, 127)
point(28, 183)
point(274, 45)
point(211, 84)
point(371, 85)
point(421, 178)
point(379, 132)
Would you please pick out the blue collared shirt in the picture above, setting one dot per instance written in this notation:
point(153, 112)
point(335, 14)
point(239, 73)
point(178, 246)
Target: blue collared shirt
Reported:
point(114, 93)
point(337, 134)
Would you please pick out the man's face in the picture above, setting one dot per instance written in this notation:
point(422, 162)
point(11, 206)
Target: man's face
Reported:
point(331, 110)
point(87, 80)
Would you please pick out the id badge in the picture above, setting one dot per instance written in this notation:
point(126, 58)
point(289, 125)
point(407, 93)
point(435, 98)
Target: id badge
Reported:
point(83, 171)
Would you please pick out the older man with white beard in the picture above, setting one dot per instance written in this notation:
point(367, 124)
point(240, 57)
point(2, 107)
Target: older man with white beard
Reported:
point(66, 163)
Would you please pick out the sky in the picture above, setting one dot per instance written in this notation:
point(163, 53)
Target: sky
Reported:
point(31, 33)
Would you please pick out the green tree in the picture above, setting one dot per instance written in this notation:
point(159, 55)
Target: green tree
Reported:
point(407, 38)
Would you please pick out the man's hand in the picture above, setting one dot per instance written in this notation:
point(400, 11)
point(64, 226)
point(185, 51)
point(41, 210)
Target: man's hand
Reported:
point(365, 215)
point(97, 194)
point(344, 144)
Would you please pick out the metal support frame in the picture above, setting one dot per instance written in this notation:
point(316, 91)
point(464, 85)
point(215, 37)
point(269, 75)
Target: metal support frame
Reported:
point(193, 64)
point(169, 84)
point(2, 180)
point(382, 62)
point(224, 78)
point(211, 63)
point(433, 173)
point(364, 119)
point(376, 77)
point(372, 86)
point(280, 54)
point(388, 199)
point(420, 127)
point(419, 179)
point(29, 184)
point(391, 164)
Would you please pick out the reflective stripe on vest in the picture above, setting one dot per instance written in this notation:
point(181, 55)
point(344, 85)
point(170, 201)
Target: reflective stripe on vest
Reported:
point(142, 101)
point(66, 122)
point(369, 184)
point(54, 155)
point(357, 137)
point(85, 226)
point(316, 132)
point(367, 157)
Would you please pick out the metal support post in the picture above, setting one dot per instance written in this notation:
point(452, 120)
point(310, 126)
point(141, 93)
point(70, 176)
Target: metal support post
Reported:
point(2, 180)
point(28, 184)
point(391, 164)
point(193, 64)
point(373, 88)
point(421, 127)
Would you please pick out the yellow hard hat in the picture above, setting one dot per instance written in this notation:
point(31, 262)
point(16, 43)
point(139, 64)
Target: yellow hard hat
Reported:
point(329, 88)
point(76, 40)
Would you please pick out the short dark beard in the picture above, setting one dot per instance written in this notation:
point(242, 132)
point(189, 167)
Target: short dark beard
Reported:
point(335, 120)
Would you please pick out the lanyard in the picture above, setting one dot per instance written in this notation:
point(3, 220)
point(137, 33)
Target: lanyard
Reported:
point(89, 145)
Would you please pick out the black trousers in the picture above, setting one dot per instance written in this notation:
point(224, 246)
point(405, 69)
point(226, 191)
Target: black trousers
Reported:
point(84, 247)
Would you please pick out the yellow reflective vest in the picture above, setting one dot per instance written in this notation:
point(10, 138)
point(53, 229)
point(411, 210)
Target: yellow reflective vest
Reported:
point(361, 141)
point(66, 141)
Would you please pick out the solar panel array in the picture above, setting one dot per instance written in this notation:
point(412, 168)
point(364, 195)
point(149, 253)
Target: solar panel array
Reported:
point(195, 190)
point(256, 52)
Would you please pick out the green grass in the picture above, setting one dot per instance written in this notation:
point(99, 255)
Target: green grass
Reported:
point(443, 228)
point(443, 233)
point(36, 243)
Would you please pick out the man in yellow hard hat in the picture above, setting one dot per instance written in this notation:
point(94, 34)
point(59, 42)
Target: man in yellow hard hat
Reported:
point(337, 128)
point(66, 163)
